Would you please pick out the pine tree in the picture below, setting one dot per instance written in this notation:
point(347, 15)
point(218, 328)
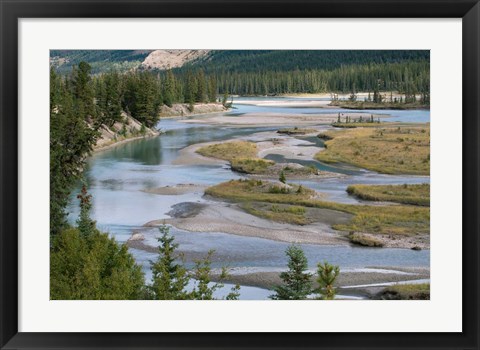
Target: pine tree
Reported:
point(297, 283)
point(169, 278)
point(169, 88)
point(282, 177)
point(203, 288)
point(327, 274)
point(85, 225)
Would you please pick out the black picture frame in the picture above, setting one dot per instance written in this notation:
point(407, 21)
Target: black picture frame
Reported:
point(11, 11)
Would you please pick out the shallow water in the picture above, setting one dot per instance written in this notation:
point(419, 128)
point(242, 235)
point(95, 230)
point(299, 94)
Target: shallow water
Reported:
point(407, 116)
point(118, 177)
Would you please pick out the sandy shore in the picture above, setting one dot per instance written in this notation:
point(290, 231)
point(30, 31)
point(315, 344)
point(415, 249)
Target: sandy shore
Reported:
point(176, 190)
point(273, 119)
point(229, 218)
point(348, 278)
point(269, 142)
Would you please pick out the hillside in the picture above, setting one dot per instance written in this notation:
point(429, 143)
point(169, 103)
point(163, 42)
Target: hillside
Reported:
point(100, 60)
point(238, 61)
point(167, 59)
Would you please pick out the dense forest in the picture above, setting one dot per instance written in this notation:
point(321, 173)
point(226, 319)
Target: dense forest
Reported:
point(271, 72)
point(101, 61)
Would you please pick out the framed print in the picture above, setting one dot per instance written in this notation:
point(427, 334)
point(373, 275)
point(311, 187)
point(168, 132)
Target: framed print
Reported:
point(239, 174)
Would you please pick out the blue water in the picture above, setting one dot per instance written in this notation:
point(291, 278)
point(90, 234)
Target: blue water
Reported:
point(406, 116)
point(118, 177)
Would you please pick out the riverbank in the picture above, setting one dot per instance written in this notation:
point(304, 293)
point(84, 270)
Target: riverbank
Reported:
point(365, 281)
point(127, 130)
point(230, 218)
point(184, 110)
point(383, 105)
point(272, 119)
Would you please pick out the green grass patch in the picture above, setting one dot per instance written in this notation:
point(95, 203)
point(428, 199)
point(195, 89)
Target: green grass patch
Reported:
point(393, 150)
point(251, 165)
point(277, 212)
point(400, 219)
point(406, 194)
point(230, 150)
point(407, 292)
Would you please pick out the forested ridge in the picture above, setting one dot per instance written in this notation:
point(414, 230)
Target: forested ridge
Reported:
point(271, 72)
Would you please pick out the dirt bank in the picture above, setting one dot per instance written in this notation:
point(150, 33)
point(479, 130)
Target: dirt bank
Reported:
point(127, 130)
point(182, 109)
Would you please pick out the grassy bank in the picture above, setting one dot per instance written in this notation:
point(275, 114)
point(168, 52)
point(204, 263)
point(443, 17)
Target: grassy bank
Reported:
point(373, 105)
point(406, 194)
point(401, 219)
point(296, 131)
point(242, 156)
point(230, 150)
point(407, 292)
point(353, 125)
point(394, 150)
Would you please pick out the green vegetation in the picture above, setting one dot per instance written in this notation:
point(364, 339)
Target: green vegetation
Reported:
point(251, 165)
point(399, 219)
point(354, 125)
point(407, 292)
point(291, 214)
point(267, 72)
point(242, 158)
point(230, 150)
point(88, 265)
point(297, 282)
point(424, 103)
point(296, 131)
point(282, 177)
point(170, 278)
point(102, 61)
point(71, 138)
point(327, 274)
point(406, 194)
point(396, 150)
point(272, 72)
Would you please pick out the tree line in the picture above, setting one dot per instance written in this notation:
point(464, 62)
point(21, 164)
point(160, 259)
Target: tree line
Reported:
point(406, 77)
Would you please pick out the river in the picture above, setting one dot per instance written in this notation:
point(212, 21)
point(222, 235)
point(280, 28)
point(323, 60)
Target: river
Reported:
point(117, 178)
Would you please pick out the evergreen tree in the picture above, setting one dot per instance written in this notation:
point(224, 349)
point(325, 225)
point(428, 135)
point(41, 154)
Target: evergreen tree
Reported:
point(169, 278)
point(282, 177)
point(71, 140)
point(169, 88)
point(327, 274)
point(201, 95)
point(85, 225)
point(296, 282)
point(86, 264)
point(83, 89)
point(203, 288)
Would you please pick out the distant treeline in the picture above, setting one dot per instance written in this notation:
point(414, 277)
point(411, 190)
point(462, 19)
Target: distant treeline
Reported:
point(248, 72)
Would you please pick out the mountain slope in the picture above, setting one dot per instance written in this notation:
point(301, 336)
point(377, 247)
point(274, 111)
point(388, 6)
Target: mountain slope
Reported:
point(100, 60)
point(166, 59)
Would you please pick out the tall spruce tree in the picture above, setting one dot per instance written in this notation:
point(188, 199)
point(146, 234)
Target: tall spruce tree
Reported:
point(297, 282)
point(169, 278)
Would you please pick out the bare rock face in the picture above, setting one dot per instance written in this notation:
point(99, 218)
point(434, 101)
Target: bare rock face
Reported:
point(166, 59)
